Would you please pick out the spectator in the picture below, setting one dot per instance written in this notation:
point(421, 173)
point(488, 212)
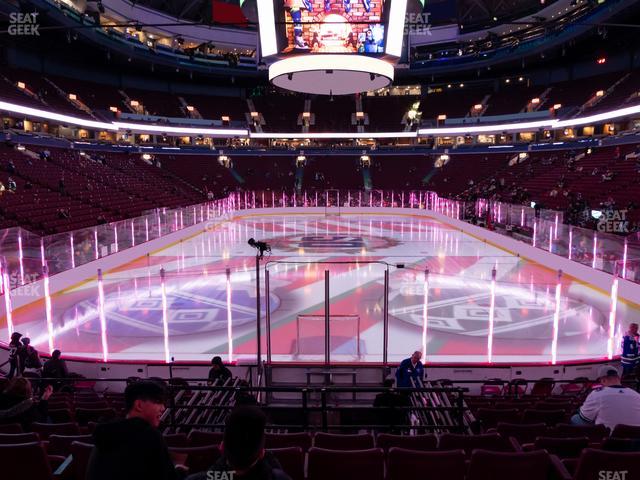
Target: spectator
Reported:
point(630, 355)
point(611, 404)
point(17, 404)
point(243, 449)
point(15, 355)
point(133, 448)
point(410, 368)
point(55, 367)
point(30, 357)
point(218, 371)
point(11, 185)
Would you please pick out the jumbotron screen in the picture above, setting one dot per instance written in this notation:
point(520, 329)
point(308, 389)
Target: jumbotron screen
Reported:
point(333, 26)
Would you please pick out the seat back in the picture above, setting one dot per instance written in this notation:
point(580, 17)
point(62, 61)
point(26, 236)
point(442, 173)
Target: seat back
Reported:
point(25, 460)
point(616, 444)
point(549, 417)
point(47, 429)
point(386, 441)
point(595, 433)
point(81, 453)
point(13, 438)
point(11, 428)
point(524, 433)
point(61, 444)
point(626, 431)
point(345, 464)
point(488, 441)
point(286, 440)
point(403, 464)
point(176, 440)
point(199, 438)
point(292, 461)
point(198, 459)
point(593, 461)
point(489, 417)
point(330, 441)
point(562, 447)
point(486, 465)
point(86, 415)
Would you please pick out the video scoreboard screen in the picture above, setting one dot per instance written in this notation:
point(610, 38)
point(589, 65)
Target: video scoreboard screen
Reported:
point(367, 27)
point(333, 26)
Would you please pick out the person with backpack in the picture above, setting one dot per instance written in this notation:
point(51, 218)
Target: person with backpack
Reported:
point(30, 358)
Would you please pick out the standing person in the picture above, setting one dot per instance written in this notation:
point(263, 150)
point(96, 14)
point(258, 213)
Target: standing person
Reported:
point(15, 354)
point(133, 448)
point(218, 371)
point(410, 368)
point(630, 346)
point(611, 404)
point(388, 403)
point(30, 357)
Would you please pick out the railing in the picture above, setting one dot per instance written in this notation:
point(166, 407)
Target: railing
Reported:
point(26, 254)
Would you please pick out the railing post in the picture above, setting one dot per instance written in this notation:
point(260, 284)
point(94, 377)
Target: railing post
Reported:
point(258, 329)
point(323, 407)
point(327, 328)
point(305, 409)
point(460, 411)
point(267, 313)
point(385, 320)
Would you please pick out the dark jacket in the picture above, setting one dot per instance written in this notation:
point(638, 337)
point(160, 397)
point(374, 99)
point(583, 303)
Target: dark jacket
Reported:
point(25, 412)
point(55, 369)
point(406, 371)
point(223, 374)
point(129, 450)
point(266, 469)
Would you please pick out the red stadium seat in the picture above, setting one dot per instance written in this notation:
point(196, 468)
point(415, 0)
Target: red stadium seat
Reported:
point(86, 415)
point(593, 461)
point(285, 440)
point(81, 453)
point(489, 417)
point(25, 460)
point(626, 431)
point(523, 433)
point(292, 461)
point(538, 465)
point(387, 441)
point(11, 428)
point(468, 443)
point(330, 441)
point(549, 417)
point(345, 465)
point(595, 433)
point(562, 447)
point(13, 438)
point(199, 438)
point(403, 464)
point(61, 444)
point(47, 429)
point(198, 459)
point(176, 440)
